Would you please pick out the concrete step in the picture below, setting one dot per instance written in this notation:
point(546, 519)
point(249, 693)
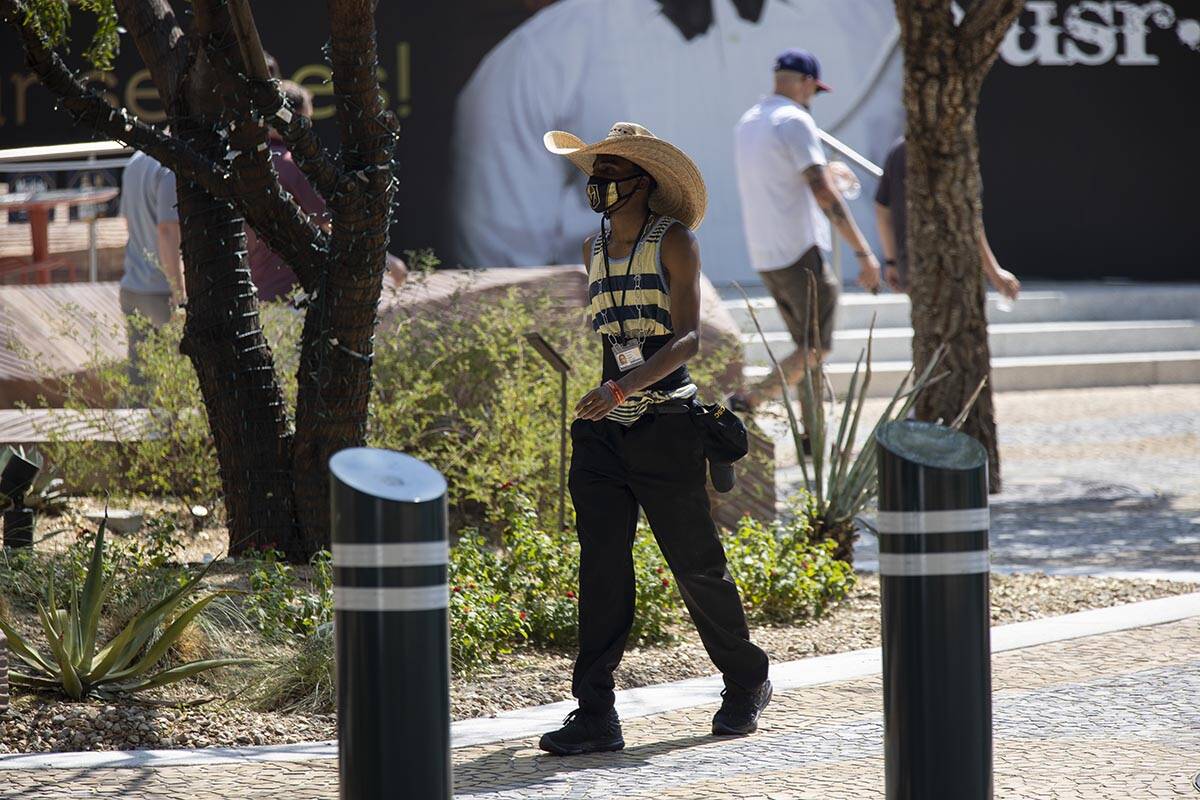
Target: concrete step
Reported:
point(1006, 339)
point(1047, 302)
point(1040, 372)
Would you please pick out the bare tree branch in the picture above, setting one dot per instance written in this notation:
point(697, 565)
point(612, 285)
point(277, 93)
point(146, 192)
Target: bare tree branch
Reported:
point(160, 42)
point(267, 100)
point(983, 28)
point(90, 110)
point(302, 141)
point(269, 209)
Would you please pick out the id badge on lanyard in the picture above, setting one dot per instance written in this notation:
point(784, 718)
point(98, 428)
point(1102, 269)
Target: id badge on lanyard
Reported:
point(628, 355)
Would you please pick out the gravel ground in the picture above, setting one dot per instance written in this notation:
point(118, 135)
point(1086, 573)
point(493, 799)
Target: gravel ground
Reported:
point(37, 723)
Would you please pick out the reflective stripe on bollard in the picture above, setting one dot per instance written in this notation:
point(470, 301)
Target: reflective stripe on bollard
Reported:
point(933, 568)
point(392, 640)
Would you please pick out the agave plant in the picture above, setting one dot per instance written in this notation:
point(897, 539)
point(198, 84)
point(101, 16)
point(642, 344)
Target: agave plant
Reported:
point(842, 482)
point(76, 666)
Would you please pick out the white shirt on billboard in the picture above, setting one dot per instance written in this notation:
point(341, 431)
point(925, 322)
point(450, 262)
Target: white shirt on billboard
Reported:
point(774, 143)
point(581, 65)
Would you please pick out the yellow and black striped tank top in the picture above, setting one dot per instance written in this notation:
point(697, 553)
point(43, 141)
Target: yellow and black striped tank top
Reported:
point(645, 314)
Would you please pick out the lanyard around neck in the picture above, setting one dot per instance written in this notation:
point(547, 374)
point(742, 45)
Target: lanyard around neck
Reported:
point(628, 271)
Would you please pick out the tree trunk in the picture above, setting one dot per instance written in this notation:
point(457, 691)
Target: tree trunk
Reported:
point(338, 339)
point(275, 483)
point(224, 340)
point(945, 66)
point(223, 336)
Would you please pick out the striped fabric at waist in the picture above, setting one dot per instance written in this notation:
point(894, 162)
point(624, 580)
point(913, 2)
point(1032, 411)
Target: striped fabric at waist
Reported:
point(639, 403)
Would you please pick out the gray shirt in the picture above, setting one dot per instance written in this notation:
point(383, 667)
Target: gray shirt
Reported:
point(147, 198)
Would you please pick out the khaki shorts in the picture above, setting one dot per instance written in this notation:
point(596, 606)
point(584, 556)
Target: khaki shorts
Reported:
point(789, 287)
point(155, 307)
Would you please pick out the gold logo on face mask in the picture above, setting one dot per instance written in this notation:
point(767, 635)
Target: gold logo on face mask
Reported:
point(593, 194)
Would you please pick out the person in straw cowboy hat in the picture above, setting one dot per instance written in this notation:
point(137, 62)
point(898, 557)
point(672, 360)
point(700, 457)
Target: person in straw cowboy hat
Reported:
point(635, 443)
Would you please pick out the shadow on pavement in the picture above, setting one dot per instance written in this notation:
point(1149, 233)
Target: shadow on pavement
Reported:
point(521, 766)
point(1069, 526)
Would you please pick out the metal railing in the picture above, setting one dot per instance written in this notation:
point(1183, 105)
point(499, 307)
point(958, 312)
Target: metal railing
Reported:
point(54, 158)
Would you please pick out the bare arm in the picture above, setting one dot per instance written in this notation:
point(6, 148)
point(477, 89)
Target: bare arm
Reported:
point(681, 260)
point(887, 241)
point(831, 202)
point(1001, 279)
point(169, 259)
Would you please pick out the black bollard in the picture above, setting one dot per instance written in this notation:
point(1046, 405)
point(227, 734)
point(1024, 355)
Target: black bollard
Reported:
point(392, 638)
point(933, 575)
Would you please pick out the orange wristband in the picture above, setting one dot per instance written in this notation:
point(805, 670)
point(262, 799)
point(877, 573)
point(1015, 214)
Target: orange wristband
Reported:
point(615, 388)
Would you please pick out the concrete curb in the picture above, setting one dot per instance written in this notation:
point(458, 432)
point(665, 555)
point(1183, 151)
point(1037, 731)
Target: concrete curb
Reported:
point(644, 701)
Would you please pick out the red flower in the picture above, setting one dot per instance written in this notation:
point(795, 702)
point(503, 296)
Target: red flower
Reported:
point(666, 582)
point(659, 570)
point(456, 589)
point(570, 594)
point(521, 615)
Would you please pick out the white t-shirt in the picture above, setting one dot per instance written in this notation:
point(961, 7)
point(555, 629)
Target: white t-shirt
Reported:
point(581, 65)
point(774, 142)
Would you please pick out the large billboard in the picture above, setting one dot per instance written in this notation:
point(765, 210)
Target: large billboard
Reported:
point(1088, 132)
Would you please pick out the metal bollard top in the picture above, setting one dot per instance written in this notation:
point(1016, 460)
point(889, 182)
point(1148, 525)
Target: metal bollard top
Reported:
point(931, 445)
point(387, 475)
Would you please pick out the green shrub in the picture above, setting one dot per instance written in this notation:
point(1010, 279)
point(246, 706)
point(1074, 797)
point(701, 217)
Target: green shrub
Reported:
point(463, 391)
point(280, 604)
point(179, 459)
point(485, 621)
point(304, 681)
point(525, 589)
point(783, 574)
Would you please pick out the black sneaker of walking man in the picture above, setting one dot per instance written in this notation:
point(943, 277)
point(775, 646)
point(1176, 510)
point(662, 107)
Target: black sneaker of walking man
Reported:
point(585, 733)
point(739, 711)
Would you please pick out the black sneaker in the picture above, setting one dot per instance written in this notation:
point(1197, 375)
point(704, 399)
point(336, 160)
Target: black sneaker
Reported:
point(585, 733)
point(739, 711)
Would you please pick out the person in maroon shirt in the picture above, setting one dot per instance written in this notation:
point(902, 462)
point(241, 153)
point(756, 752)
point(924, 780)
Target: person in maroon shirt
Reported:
point(272, 276)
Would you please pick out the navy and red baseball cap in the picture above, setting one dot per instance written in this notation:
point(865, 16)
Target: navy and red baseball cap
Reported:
point(803, 62)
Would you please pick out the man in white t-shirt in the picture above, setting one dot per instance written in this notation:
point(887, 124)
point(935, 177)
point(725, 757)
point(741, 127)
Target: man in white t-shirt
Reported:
point(788, 201)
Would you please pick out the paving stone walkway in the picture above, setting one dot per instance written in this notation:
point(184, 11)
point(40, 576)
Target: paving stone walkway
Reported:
point(1109, 716)
point(1096, 481)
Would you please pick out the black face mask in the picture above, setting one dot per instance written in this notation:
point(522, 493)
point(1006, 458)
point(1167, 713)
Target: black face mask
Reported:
point(603, 195)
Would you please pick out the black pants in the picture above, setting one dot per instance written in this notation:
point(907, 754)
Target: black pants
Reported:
point(657, 463)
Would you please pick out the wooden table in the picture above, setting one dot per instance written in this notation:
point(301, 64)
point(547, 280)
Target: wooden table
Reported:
point(37, 206)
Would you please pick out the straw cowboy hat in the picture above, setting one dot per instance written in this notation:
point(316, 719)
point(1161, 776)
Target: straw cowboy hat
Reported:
point(680, 192)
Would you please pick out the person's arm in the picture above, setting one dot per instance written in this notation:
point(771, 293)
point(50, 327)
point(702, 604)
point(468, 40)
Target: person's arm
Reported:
point(834, 205)
point(681, 260)
point(1001, 279)
point(169, 259)
point(887, 242)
